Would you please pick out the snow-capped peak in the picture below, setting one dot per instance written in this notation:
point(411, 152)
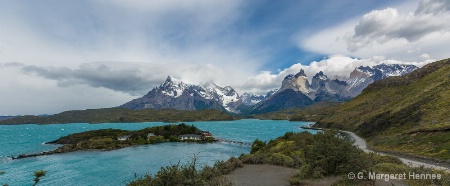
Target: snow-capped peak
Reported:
point(226, 96)
point(382, 71)
point(174, 87)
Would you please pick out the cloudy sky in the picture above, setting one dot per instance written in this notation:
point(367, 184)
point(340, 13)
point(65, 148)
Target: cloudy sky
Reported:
point(65, 55)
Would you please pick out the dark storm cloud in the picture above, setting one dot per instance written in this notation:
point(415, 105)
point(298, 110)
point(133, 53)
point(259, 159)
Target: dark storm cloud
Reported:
point(128, 80)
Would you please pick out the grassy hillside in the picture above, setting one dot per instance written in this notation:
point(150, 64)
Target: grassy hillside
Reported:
point(114, 115)
point(312, 112)
point(408, 114)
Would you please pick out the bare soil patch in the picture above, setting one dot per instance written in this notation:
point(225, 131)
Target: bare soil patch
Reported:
point(261, 175)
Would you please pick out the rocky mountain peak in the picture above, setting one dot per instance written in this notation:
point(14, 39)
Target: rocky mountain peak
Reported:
point(320, 76)
point(319, 80)
point(301, 73)
point(290, 76)
point(168, 81)
point(357, 73)
point(172, 82)
point(297, 82)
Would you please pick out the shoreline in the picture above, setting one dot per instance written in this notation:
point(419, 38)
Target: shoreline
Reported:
point(44, 153)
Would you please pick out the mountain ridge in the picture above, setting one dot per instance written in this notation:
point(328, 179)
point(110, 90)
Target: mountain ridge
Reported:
point(323, 88)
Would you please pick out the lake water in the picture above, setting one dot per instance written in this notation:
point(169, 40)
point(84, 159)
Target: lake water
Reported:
point(118, 167)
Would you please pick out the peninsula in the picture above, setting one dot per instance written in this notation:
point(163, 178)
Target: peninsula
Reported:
point(111, 139)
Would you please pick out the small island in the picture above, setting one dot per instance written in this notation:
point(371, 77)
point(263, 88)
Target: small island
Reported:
point(111, 139)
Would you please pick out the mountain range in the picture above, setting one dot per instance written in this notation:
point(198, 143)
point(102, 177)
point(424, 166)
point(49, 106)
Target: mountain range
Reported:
point(295, 91)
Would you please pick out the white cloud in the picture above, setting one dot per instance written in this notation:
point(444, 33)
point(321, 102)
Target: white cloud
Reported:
point(172, 31)
point(391, 32)
point(385, 25)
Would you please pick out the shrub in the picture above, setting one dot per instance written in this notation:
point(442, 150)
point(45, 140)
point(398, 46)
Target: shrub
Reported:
point(257, 145)
point(189, 175)
point(252, 158)
point(280, 159)
point(330, 155)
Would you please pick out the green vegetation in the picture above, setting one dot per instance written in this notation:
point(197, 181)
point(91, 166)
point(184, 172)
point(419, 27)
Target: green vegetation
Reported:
point(330, 154)
point(189, 174)
point(319, 155)
point(116, 115)
point(407, 114)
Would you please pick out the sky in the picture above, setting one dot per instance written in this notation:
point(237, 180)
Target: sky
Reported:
point(76, 54)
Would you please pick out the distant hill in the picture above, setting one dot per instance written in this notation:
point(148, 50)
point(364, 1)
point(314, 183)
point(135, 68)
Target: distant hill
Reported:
point(406, 114)
point(6, 117)
point(312, 112)
point(115, 115)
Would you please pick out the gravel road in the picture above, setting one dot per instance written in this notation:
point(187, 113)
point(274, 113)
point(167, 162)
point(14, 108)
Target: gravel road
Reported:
point(361, 143)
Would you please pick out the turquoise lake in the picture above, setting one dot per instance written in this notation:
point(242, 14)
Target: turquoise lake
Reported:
point(118, 167)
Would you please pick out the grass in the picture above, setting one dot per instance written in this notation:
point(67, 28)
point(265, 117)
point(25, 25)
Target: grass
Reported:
point(429, 144)
point(312, 112)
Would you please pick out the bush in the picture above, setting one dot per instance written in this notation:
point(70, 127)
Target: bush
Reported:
point(189, 175)
point(252, 158)
point(257, 145)
point(330, 155)
point(280, 159)
point(296, 179)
